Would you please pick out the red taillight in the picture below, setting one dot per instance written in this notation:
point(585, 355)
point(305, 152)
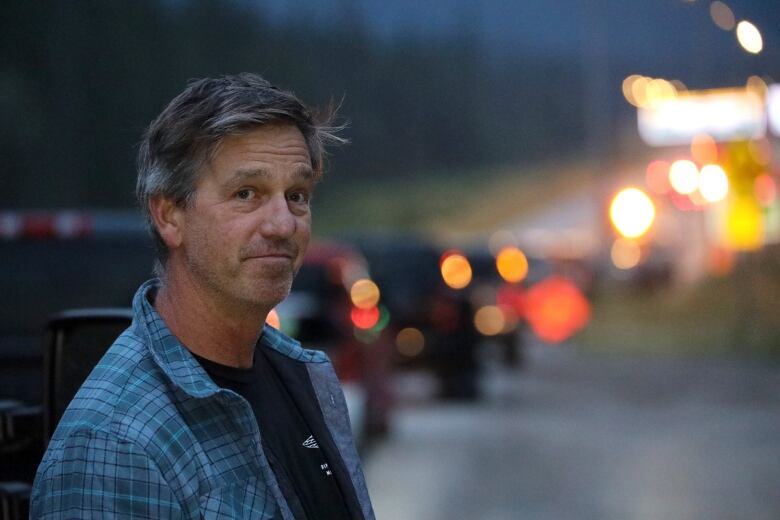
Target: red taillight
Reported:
point(365, 318)
point(556, 309)
point(38, 226)
point(65, 224)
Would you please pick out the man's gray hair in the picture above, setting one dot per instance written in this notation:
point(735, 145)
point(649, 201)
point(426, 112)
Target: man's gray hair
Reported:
point(188, 132)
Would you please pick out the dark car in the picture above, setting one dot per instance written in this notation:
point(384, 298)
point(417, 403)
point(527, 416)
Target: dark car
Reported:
point(55, 261)
point(50, 261)
point(489, 289)
point(432, 322)
point(321, 313)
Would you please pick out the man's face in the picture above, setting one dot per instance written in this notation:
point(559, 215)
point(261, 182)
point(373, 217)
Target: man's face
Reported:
point(244, 237)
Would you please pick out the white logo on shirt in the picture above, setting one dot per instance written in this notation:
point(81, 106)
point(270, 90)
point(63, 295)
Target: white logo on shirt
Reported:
point(310, 443)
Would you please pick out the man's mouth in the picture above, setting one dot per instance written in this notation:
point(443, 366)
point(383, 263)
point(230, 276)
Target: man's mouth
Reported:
point(270, 255)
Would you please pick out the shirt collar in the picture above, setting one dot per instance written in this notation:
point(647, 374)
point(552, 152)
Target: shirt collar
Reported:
point(176, 360)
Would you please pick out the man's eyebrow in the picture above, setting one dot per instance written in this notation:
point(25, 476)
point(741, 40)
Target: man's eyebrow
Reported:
point(304, 172)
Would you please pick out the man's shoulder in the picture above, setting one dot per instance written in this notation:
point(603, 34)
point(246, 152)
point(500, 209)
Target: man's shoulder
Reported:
point(126, 386)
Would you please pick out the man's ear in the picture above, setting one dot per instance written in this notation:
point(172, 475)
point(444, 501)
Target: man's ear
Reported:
point(168, 218)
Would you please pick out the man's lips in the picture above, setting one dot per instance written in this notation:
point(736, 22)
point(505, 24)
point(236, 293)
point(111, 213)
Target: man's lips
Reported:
point(269, 256)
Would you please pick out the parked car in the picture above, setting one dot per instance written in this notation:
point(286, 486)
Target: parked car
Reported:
point(432, 323)
point(321, 313)
point(489, 289)
point(50, 261)
point(61, 260)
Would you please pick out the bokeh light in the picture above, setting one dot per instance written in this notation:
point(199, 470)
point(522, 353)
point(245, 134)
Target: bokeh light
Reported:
point(489, 320)
point(657, 177)
point(713, 183)
point(722, 15)
point(273, 319)
point(628, 88)
point(659, 90)
point(383, 321)
point(757, 85)
point(684, 176)
point(639, 90)
point(745, 225)
point(632, 212)
point(410, 342)
point(364, 294)
point(704, 149)
point(556, 309)
point(625, 253)
point(765, 189)
point(512, 264)
point(365, 318)
point(456, 270)
point(749, 37)
point(642, 91)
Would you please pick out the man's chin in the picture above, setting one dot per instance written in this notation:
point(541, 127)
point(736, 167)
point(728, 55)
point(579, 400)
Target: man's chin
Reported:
point(266, 297)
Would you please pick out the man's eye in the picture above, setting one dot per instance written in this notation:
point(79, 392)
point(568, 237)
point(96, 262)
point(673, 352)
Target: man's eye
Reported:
point(298, 197)
point(244, 194)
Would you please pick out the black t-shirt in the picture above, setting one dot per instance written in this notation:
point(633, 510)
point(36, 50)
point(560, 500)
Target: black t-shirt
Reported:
point(299, 462)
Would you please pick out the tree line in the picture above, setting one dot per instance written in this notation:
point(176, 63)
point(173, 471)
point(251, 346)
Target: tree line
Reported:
point(79, 80)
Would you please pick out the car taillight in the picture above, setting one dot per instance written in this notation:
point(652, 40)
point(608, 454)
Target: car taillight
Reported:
point(66, 224)
point(365, 319)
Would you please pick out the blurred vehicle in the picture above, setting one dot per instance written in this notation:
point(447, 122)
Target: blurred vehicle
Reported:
point(321, 313)
point(431, 322)
point(490, 291)
point(52, 261)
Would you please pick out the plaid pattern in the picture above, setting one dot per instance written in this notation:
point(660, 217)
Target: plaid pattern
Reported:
point(149, 435)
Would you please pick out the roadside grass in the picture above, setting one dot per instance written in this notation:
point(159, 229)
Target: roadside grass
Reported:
point(733, 315)
point(449, 205)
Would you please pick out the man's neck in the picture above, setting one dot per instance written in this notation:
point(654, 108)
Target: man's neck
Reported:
point(206, 328)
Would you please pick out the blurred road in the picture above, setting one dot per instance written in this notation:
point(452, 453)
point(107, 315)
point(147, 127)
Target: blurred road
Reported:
point(580, 437)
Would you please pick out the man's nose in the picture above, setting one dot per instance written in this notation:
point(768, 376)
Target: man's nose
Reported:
point(276, 219)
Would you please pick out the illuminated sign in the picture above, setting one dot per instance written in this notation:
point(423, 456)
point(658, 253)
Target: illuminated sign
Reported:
point(725, 115)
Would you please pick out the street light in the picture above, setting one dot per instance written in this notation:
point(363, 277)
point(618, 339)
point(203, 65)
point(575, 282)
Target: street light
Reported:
point(749, 37)
point(713, 183)
point(684, 176)
point(632, 212)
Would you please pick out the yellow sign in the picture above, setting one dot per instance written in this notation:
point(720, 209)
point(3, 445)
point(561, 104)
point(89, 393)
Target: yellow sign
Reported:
point(744, 224)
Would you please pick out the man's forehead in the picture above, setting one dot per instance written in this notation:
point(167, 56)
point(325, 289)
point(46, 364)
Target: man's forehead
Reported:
point(262, 151)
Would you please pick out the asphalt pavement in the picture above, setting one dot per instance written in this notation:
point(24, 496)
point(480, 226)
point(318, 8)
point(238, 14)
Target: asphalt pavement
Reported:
point(578, 436)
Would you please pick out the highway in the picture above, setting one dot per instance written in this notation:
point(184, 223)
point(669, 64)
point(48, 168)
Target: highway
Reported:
point(578, 436)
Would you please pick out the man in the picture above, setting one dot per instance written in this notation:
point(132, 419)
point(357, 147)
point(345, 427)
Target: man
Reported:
point(198, 410)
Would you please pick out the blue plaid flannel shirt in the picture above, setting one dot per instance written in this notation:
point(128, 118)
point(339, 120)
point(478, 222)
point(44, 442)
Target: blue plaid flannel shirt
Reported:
point(149, 435)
